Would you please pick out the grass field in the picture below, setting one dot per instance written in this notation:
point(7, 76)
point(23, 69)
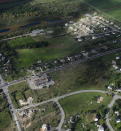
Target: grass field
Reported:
point(86, 106)
point(74, 104)
point(57, 48)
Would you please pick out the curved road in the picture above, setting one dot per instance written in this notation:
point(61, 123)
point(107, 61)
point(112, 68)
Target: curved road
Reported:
point(116, 97)
point(56, 100)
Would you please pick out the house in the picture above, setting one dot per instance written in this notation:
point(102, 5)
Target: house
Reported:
point(110, 87)
point(101, 128)
point(118, 120)
point(44, 127)
point(117, 57)
point(118, 90)
point(39, 82)
point(36, 32)
point(100, 99)
point(29, 101)
point(115, 67)
point(85, 54)
point(117, 113)
point(96, 119)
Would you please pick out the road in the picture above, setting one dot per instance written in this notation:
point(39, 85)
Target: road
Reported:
point(56, 100)
point(11, 106)
point(64, 66)
point(82, 60)
point(116, 97)
point(60, 97)
point(99, 35)
point(59, 128)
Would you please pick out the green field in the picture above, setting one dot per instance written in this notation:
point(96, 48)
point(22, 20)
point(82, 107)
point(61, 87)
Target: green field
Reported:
point(86, 106)
point(74, 104)
point(57, 48)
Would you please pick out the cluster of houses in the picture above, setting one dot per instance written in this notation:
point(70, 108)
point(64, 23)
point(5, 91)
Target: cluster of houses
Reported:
point(74, 119)
point(91, 24)
point(100, 127)
point(38, 82)
point(59, 63)
point(4, 64)
point(116, 64)
point(113, 87)
point(118, 117)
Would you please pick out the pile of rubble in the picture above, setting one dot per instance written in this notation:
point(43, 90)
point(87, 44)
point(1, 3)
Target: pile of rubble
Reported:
point(90, 24)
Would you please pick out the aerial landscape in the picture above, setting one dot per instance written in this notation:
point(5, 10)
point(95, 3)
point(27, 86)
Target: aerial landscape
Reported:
point(60, 65)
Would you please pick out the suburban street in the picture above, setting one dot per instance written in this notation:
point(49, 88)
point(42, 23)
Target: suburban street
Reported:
point(116, 97)
point(11, 106)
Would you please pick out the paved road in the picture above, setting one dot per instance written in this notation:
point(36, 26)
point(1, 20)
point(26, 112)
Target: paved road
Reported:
point(116, 97)
point(59, 128)
point(82, 60)
point(11, 106)
point(11, 38)
point(56, 101)
point(60, 97)
point(65, 66)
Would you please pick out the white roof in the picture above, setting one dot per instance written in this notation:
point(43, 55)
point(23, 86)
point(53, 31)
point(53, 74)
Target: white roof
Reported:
point(101, 128)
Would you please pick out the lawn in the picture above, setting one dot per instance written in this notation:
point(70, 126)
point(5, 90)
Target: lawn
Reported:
point(82, 102)
point(57, 48)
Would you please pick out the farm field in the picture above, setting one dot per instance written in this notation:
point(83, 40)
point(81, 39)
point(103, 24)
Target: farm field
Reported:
point(86, 106)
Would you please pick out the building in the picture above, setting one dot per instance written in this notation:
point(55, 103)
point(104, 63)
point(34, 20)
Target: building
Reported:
point(39, 82)
point(100, 128)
